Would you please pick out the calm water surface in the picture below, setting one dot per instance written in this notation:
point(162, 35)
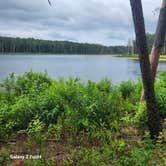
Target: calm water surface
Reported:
point(88, 67)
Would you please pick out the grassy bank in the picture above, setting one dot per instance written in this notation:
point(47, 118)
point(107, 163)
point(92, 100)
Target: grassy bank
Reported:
point(71, 123)
point(135, 56)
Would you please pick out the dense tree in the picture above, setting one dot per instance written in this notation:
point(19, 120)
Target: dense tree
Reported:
point(150, 40)
point(141, 42)
point(30, 45)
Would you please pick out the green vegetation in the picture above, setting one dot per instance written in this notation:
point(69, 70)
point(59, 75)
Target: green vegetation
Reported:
point(132, 48)
point(9, 45)
point(130, 56)
point(30, 45)
point(135, 56)
point(100, 123)
point(150, 40)
point(163, 57)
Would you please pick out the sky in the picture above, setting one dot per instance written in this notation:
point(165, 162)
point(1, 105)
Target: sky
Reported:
point(107, 22)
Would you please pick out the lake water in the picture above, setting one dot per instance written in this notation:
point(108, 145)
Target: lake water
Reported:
point(88, 67)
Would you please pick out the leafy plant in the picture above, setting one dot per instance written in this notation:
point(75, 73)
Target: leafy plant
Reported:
point(4, 157)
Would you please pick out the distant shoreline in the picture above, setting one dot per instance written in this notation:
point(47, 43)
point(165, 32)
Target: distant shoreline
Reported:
point(132, 56)
point(31, 53)
point(135, 57)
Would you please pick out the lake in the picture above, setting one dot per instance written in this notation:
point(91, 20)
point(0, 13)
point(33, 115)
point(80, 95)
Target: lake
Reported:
point(86, 67)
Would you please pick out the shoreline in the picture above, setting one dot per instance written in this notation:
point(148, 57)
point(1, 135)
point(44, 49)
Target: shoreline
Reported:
point(133, 57)
point(162, 58)
point(31, 53)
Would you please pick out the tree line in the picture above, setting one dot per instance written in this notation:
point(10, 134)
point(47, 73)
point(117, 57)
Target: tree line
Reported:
point(31, 45)
point(132, 48)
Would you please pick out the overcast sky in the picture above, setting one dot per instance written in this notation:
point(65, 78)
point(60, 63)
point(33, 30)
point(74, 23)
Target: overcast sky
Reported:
point(106, 22)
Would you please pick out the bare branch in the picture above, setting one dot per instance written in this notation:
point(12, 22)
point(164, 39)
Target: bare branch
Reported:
point(49, 2)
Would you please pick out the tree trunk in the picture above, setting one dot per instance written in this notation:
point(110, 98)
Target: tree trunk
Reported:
point(158, 42)
point(152, 108)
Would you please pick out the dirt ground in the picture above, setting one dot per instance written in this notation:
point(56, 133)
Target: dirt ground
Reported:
point(53, 150)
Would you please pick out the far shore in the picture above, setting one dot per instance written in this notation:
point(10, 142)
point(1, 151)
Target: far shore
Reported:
point(128, 56)
point(134, 56)
point(35, 53)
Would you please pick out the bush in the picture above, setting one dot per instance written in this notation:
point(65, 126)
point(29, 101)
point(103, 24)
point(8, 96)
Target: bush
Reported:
point(93, 115)
point(161, 93)
point(38, 163)
point(127, 88)
point(4, 157)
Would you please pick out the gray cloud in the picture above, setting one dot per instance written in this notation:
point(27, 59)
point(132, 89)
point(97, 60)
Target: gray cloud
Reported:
point(107, 22)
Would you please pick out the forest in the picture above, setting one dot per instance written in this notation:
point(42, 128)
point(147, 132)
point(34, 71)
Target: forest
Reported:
point(30, 45)
point(19, 45)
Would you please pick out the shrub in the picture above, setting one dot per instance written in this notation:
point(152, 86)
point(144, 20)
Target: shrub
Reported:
point(4, 157)
point(38, 163)
point(127, 88)
point(160, 89)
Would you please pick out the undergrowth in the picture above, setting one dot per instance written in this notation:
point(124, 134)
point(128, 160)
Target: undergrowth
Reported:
point(104, 123)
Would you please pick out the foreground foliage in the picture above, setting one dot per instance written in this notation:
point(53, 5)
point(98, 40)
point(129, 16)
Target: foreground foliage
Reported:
point(102, 123)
